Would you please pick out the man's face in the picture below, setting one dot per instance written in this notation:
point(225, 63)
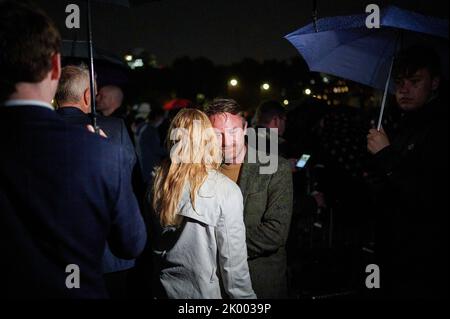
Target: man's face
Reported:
point(413, 92)
point(102, 99)
point(230, 130)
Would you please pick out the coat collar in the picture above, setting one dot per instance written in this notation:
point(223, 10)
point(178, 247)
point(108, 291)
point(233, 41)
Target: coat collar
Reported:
point(70, 110)
point(203, 209)
point(15, 103)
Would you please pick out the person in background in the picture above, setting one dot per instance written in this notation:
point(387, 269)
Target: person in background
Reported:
point(149, 147)
point(109, 100)
point(272, 115)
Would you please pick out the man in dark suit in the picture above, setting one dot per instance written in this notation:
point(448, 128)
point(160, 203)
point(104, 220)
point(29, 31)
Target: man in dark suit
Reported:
point(267, 192)
point(109, 103)
point(64, 192)
point(73, 98)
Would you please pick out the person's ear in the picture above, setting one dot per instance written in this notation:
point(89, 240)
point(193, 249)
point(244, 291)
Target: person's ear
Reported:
point(435, 83)
point(87, 96)
point(56, 66)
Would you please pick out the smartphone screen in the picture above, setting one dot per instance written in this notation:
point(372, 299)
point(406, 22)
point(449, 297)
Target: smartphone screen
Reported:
point(303, 160)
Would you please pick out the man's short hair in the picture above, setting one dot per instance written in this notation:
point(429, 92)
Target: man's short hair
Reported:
point(73, 83)
point(28, 39)
point(410, 60)
point(221, 106)
point(268, 110)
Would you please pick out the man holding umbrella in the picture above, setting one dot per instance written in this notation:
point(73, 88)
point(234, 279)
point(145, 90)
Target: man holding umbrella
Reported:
point(413, 168)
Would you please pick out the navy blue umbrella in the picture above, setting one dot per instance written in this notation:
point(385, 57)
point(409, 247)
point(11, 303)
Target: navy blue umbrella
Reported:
point(344, 46)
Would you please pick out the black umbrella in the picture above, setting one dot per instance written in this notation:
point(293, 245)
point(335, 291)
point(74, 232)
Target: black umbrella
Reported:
point(125, 3)
point(79, 49)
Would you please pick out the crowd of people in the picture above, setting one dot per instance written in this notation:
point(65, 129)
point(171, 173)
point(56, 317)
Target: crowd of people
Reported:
point(200, 202)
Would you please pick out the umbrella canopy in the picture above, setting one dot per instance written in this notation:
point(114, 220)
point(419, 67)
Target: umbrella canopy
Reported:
point(90, 50)
point(79, 49)
point(345, 47)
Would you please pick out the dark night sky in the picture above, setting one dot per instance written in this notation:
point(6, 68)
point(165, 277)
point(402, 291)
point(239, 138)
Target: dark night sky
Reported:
point(224, 31)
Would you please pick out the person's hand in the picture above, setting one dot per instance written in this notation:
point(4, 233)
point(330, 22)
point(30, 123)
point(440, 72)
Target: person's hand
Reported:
point(293, 163)
point(377, 140)
point(101, 133)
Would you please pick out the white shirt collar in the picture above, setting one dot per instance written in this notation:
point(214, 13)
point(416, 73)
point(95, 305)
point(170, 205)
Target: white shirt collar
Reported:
point(12, 103)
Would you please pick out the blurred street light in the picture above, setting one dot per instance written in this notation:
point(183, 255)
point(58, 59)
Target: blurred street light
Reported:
point(234, 82)
point(308, 92)
point(138, 63)
point(286, 102)
point(129, 58)
point(265, 86)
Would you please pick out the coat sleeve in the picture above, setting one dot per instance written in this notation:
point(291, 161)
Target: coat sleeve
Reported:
point(128, 234)
point(431, 159)
point(272, 232)
point(232, 250)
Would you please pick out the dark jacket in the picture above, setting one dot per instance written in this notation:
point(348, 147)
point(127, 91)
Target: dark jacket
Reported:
point(116, 131)
point(150, 150)
point(114, 128)
point(413, 205)
point(63, 193)
point(267, 216)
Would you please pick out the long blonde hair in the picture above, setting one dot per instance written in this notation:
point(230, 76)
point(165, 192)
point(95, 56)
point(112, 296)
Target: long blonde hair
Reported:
point(193, 152)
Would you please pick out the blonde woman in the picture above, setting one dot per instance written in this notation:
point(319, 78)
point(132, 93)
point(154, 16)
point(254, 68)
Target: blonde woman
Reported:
point(198, 232)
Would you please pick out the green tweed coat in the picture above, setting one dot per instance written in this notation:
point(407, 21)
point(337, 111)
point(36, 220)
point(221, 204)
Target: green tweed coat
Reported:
point(267, 216)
